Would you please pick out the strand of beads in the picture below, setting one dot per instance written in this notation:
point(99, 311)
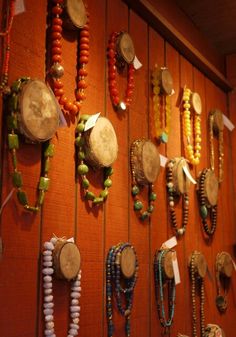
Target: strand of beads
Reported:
point(83, 169)
point(6, 42)
point(159, 282)
point(13, 146)
point(48, 305)
point(204, 208)
point(57, 70)
point(159, 100)
point(192, 154)
point(112, 55)
point(115, 285)
point(171, 202)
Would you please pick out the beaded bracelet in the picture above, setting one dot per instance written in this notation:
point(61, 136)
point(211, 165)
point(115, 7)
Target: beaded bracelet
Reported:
point(118, 286)
point(83, 169)
point(160, 280)
point(13, 146)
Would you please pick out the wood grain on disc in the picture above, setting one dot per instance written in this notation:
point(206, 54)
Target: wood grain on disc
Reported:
point(166, 81)
point(225, 264)
point(66, 259)
point(126, 47)
point(39, 117)
point(181, 181)
point(211, 187)
point(101, 144)
point(196, 103)
point(76, 12)
point(168, 266)
point(201, 265)
point(218, 123)
point(127, 262)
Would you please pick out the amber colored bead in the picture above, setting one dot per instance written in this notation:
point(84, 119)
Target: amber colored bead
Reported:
point(56, 35)
point(57, 21)
point(78, 105)
point(84, 40)
point(63, 100)
point(56, 28)
point(84, 46)
point(80, 95)
point(56, 43)
point(58, 84)
point(56, 51)
point(82, 84)
point(83, 72)
point(68, 105)
point(57, 9)
point(73, 109)
point(84, 53)
point(56, 58)
point(83, 59)
point(111, 75)
point(84, 33)
point(59, 92)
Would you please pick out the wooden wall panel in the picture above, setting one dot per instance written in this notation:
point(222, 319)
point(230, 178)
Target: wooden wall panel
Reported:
point(65, 212)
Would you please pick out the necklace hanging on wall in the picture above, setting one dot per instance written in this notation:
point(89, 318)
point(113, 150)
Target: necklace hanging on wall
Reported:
point(62, 259)
point(192, 104)
point(164, 278)
point(216, 126)
point(177, 184)
point(33, 113)
point(224, 270)
point(162, 90)
point(120, 52)
point(76, 17)
point(121, 277)
point(98, 147)
point(5, 43)
point(198, 269)
point(145, 167)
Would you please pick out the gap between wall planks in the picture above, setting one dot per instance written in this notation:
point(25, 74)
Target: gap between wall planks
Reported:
point(65, 213)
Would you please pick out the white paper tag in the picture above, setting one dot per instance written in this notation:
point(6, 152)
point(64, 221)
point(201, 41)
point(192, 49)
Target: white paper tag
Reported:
point(172, 242)
point(175, 268)
point(188, 174)
point(228, 123)
point(91, 121)
point(19, 7)
point(71, 240)
point(137, 64)
point(163, 160)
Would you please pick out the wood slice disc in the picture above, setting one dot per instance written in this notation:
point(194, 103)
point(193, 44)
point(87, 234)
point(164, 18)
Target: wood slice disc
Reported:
point(125, 47)
point(66, 260)
point(38, 116)
point(101, 145)
point(167, 265)
point(201, 265)
point(225, 264)
point(211, 187)
point(213, 330)
point(76, 14)
point(127, 262)
point(218, 123)
point(180, 180)
point(196, 103)
point(166, 81)
point(146, 161)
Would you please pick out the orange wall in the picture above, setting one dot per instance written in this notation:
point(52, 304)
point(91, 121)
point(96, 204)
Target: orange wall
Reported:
point(65, 213)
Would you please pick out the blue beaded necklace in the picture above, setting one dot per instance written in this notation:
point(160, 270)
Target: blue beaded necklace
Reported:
point(159, 281)
point(113, 285)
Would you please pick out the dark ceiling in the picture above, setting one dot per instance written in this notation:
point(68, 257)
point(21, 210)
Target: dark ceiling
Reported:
point(216, 19)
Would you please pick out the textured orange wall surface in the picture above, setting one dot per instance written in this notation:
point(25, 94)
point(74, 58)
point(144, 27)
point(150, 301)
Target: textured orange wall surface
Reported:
point(66, 214)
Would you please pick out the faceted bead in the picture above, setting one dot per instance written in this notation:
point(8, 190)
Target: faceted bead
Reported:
point(203, 212)
point(83, 169)
point(17, 179)
point(49, 151)
point(135, 190)
point(138, 205)
point(107, 183)
point(22, 197)
point(13, 141)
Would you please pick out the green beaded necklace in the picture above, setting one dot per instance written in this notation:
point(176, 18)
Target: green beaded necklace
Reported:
point(13, 146)
point(83, 169)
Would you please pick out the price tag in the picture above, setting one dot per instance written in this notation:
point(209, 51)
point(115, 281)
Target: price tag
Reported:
point(163, 160)
point(188, 174)
point(228, 123)
point(172, 242)
point(19, 7)
point(91, 121)
point(175, 268)
point(137, 64)
point(71, 240)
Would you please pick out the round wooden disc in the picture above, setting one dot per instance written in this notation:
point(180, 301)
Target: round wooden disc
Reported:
point(101, 144)
point(39, 118)
point(225, 264)
point(166, 81)
point(76, 12)
point(201, 265)
point(211, 187)
point(127, 262)
point(196, 103)
point(126, 47)
point(66, 260)
point(218, 120)
point(168, 266)
point(181, 181)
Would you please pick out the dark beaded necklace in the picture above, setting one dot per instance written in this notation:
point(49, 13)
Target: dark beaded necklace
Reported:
point(204, 207)
point(113, 285)
point(160, 280)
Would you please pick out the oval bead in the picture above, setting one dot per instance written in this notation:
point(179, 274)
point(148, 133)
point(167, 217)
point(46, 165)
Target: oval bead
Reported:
point(48, 305)
point(74, 301)
point(48, 332)
point(74, 326)
point(47, 278)
point(48, 291)
point(75, 294)
point(48, 318)
point(74, 308)
point(75, 314)
point(47, 258)
point(47, 252)
point(49, 245)
point(73, 332)
point(203, 212)
point(48, 298)
point(47, 285)
point(48, 312)
point(47, 264)
point(48, 271)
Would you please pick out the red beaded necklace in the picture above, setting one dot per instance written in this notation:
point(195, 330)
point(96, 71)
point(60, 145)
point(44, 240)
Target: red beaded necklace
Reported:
point(57, 71)
point(6, 54)
point(112, 76)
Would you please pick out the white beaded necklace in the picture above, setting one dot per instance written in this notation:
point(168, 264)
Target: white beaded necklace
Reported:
point(48, 304)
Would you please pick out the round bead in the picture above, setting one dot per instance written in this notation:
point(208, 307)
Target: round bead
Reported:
point(138, 205)
point(57, 70)
point(48, 246)
point(83, 169)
